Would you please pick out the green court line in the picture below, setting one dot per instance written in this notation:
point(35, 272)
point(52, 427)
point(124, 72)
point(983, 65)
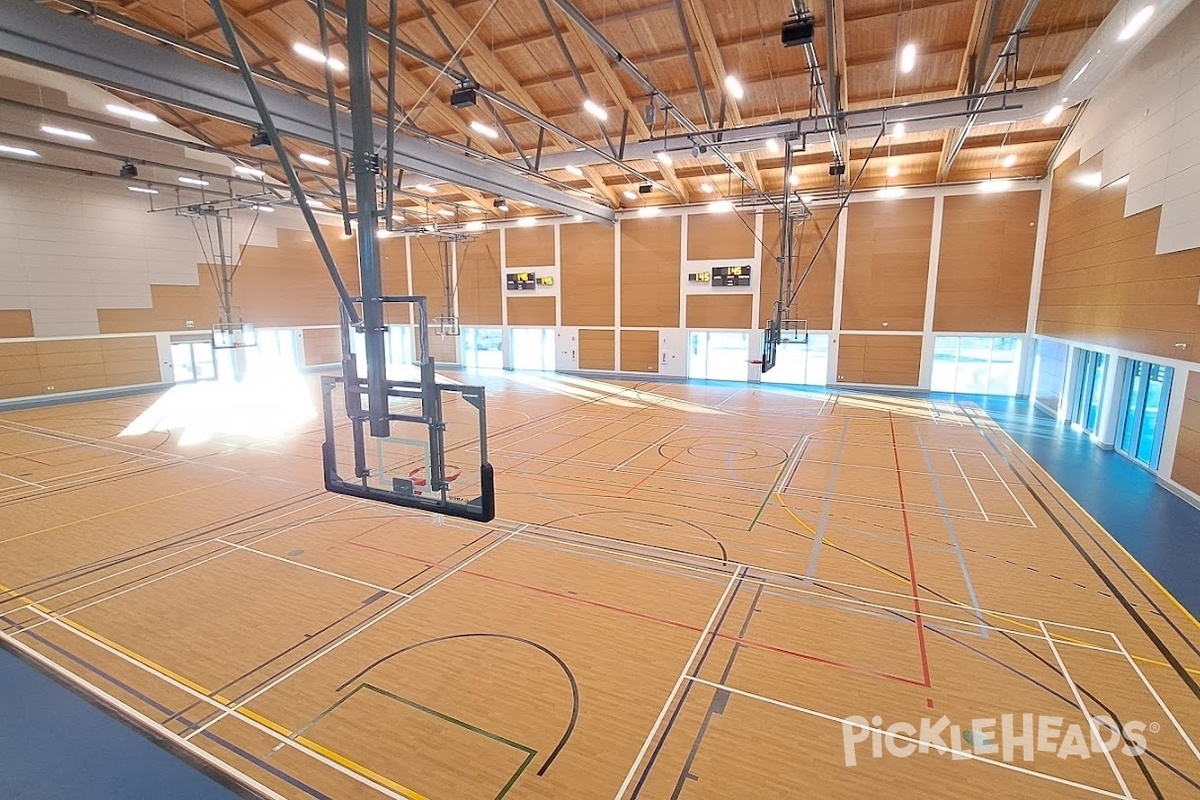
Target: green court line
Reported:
point(530, 753)
point(775, 483)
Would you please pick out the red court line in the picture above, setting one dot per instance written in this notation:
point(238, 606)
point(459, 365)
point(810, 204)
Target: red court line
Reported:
point(652, 618)
point(912, 564)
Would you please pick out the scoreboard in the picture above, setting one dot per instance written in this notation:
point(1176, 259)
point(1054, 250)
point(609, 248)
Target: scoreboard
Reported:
point(731, 276)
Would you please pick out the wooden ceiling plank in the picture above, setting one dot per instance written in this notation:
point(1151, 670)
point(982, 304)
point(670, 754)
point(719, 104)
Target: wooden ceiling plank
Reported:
point(971, 54)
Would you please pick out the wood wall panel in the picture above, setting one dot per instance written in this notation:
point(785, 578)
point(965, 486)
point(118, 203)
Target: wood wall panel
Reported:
point(879, 359)
point(597, 349)
point(427, 274)
point(887, 264)
point(639, 351)
point(321, 346)
point(529, 247)
point(713, 311)
point(479, 280)
point(650, 270)
point(532, 310)
point(1102, 281)
point(1186, 469)
point(394, 263)
point(284, 286)
point(15, 323)
point(74, 365)
point(587, 274)
point(723, 236)
point(814, 301)
point(986, 262)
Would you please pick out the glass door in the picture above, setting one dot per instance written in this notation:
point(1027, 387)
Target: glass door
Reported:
point(719, 355)
point(192, 361)
point(1144, 394)
point(1089, 389)
point(804, 364)
point(482, 348)
point(533, 348)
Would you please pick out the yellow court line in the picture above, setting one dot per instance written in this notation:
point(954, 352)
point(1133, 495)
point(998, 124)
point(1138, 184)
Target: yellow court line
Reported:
point(162, 671)
point(1057, 637)
point(119, 510)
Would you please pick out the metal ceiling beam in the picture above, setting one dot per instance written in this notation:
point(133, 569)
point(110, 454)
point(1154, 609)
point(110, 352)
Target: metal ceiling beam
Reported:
point(35, 34)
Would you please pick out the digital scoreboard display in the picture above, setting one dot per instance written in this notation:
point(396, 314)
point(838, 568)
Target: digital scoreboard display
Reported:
point(518, 281)
point(731, 276)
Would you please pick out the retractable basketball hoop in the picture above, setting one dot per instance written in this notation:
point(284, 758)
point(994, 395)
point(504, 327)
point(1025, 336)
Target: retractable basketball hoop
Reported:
point(233, 335)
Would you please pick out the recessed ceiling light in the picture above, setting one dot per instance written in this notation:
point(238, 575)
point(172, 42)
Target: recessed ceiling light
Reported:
point(893, 170)
point(574, 170)
point(311, 159)
point(1050, 116)
point(193, 181)
point(1135, 23)
point(426, 188)
point(1009, 161)
point(474, 225)
point(908, 57)
point(720, 206)
point(772, 145)
point(579, 217)
point(707, 188)
point(630, 195)
point(898, 130)
point(794, 179)
point(734, 87)
point(806, 198)
point(18, 151)
point(315, 203)
point(446, 212)
point(890, 192)
point(648, 211)
point(995, 185)
point(527, 222)
point(595, 109)
point(664, 157)
point(267, 209)
point(484, 130)
point(249, 171)
point(143, 190)
point(313, 54)
point(69, 134)
point(131, 113)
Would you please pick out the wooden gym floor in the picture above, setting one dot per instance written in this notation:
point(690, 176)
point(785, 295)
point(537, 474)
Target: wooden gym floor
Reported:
point(687, 591)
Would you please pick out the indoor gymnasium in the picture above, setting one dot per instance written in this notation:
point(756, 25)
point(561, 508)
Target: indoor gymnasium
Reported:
point(572, 399)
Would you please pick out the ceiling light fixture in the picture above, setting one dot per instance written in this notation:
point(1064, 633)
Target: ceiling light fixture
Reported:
point(311, 159)
point(629, 195)
point(578, 218)
point(908, 57)
point(143, 190)
point(648, 211)
point(595, 109)
point(893, 170)
point(734, 87)
point(131, 113)
point(1053, 114)
point(793, 179)
point(426, 188)
point(898, 130)
point(772, 145)
point(484, 130)
point(474, 225)
point(267, 209)
point(806, 198)
point(313, 54)
point(249, 171)
point(1009, 161)
point(995, 185)
point(446, 212)
point(891, 192)
point(314, 203)
point(69, 134)
point(720, 207)
point(574, 170)
point(527, 222)
point(707, 188)
point(664, 158)
point(1135, 24)
point(193, 181)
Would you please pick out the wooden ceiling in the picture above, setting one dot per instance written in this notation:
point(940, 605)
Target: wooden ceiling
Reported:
point(510, 46)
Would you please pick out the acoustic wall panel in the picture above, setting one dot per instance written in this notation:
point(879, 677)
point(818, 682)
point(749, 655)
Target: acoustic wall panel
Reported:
point(986, 262)
point(532, 310)
point(814, 300)
point(529, 247)
point(879, 359)
point(597, 349)
point(712, 311)
point(887, 264)
point(639, 351)
point(587, 273)
point(650, 272)
point(720, 236)
point(479, 280)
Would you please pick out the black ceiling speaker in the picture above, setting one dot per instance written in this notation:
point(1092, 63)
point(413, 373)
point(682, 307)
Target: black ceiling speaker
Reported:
point(463, 95)
point(128, 170)
point(260, 139)
point(797, 31)
point(837, 168)
point(645, 188)
point(500, 204)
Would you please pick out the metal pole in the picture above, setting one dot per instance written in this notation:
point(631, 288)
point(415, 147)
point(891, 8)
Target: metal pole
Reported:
point(364, 164)
point(226, 288)
point(281, 153)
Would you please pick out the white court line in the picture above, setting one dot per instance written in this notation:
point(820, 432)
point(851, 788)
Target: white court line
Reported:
point(1096, 737)
point(18, 480)
point(1191, 745)
point(683, 676)
point(182, 569)
point(646, 449)
point(368, 584)
point(142, 719)
point(963, 472)
point(203, 698)
point(329, 648)
point(940, 748)
point(1020, 505)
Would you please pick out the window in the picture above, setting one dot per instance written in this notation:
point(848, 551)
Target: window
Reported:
point(192, 361)
point(718, 355)
point(976, 364)
point(481, 348)
point(1144, 391)
point(1089, 389)
point(275, 351)
point(533, 348)
point(806, 364)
